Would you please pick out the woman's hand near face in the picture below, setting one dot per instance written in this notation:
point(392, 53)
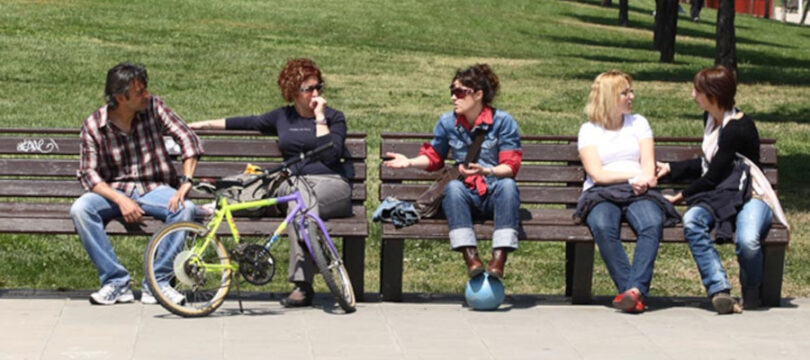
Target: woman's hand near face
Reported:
point(397, 161)
point(318, 105)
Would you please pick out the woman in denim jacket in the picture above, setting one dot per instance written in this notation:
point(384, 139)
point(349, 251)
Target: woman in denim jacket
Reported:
point(488, 190)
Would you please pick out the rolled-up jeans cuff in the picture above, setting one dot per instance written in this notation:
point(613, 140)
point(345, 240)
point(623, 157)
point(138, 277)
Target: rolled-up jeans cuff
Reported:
point(462, 237)
point(507, 238)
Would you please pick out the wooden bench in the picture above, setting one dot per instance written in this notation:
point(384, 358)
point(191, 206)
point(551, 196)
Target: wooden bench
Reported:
point(550, 182)
point(38, 185)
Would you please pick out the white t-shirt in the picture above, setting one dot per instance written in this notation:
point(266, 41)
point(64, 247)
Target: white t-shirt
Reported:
point(619, 150)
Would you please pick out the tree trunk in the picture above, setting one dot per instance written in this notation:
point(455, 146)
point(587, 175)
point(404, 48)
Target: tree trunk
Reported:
point(659, 24)
point(668, 20)
point(767, 9)
point(726, 54)
point(623, 9)
point(804, 15)
point(607, 3)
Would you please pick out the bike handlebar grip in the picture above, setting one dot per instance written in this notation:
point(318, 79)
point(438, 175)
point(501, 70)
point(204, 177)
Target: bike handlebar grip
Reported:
point(302, 156)
point(319, 150)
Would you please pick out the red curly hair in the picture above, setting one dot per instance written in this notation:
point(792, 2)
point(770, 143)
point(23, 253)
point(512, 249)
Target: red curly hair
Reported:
point(293, 75)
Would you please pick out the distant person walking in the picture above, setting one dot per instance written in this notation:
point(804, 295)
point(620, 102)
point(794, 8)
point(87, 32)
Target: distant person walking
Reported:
point(694, 12)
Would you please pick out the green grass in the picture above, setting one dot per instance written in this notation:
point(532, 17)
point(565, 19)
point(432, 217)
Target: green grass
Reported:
point(387, 66)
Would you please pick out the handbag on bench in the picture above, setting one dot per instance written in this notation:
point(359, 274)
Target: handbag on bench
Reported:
point(429, 202)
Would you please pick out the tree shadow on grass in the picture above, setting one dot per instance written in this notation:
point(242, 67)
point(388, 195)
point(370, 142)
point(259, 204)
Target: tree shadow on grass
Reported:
point(794, 169)
point(614, 8)
point(770, 67)
point(611, 59)
point(708, 34)
point(785, 115)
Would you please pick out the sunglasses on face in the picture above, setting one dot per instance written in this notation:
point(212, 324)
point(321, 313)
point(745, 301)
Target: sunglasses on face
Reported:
point(309, 89)
point(460, 92)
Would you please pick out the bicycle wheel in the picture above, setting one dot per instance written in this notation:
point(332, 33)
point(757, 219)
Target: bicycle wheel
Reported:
point(192, 284)
point(331, 267)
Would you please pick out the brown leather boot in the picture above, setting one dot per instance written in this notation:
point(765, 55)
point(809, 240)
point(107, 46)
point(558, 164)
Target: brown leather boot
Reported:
point(474, 265)
point(495, 268)
point(300, 296)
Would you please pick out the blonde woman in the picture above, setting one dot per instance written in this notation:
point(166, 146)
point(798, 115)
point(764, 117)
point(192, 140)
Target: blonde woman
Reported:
point(617, 151)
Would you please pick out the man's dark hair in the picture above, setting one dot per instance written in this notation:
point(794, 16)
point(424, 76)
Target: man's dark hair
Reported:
point(119, 78)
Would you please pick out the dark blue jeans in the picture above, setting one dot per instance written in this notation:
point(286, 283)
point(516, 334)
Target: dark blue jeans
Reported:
point(501, 202)
point(647, 219)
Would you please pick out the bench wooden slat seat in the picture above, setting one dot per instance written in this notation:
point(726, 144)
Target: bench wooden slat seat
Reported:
point(38, 185)
point(550, 183)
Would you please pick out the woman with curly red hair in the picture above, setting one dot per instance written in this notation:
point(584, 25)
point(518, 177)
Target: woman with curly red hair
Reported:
point(302, 126)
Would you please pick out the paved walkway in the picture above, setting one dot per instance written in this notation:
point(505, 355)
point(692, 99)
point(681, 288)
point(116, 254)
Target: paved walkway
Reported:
point(437, 328)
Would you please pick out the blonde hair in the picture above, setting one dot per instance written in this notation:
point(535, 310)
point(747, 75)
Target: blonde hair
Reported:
point(604, 97)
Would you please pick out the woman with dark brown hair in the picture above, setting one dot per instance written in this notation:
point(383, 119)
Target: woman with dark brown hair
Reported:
point(303, 126)
point(489, 190)
point(730, 192)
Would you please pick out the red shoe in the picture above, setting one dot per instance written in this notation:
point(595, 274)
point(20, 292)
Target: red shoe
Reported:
point(629, 302)
point(617, 300)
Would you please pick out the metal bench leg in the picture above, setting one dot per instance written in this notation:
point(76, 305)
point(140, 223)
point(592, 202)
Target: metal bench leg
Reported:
point(773, 267)
point(391, 269)
point(579, 271)
point(569, 267)
point(354, 256)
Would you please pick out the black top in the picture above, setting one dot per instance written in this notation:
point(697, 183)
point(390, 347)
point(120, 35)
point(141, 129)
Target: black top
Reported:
point(296, 135)
point(738, 136)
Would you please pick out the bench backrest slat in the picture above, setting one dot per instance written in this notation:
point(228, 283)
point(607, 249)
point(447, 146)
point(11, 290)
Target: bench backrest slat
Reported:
point(42, 163)
point(551, 172)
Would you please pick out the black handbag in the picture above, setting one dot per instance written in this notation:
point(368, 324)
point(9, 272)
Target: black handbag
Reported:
point(429, 203)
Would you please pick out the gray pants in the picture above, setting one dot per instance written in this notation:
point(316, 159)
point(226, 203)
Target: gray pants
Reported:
point(334, 200)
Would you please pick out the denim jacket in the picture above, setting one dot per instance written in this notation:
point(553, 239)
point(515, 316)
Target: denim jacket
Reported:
point(501, 144)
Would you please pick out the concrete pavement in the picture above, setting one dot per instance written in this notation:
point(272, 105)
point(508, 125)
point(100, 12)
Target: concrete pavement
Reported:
point(528, 327)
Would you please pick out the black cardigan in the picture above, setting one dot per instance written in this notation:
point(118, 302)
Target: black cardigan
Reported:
point(738, 136)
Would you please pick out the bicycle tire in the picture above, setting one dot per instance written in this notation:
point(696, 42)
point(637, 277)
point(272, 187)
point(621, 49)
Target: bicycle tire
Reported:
point(200, 298)
point(331, 267)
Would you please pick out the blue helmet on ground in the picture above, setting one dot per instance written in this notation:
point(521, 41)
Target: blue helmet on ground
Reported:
point(484, 292)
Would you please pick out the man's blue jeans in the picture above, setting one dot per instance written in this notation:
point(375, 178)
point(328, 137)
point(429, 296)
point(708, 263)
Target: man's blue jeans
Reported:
point(91, 212)
point(501, 203)
point(753, 222)
point(647, 219)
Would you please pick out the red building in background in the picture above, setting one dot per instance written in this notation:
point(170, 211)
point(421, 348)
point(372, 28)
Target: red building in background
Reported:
point(758, 8)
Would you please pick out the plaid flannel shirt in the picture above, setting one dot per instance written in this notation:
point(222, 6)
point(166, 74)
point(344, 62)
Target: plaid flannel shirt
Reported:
point(138, 160)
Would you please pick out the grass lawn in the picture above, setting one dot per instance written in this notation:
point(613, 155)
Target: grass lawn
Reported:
point(387, 66)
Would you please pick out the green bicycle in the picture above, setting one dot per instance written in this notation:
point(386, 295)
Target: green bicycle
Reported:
point(189, 269)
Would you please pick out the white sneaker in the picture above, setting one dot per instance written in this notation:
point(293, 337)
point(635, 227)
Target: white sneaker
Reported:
point(205, 210)
point(174, 296)
point(147, 297)
point(111, 293)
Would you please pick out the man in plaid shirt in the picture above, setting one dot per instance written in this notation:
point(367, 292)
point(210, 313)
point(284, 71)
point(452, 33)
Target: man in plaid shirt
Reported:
point(128, 173)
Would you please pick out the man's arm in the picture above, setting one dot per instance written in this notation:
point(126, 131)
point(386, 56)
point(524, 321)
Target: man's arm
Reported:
point(190, 144)
point(189, 165)
point(92, 181)
point(130, 210)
